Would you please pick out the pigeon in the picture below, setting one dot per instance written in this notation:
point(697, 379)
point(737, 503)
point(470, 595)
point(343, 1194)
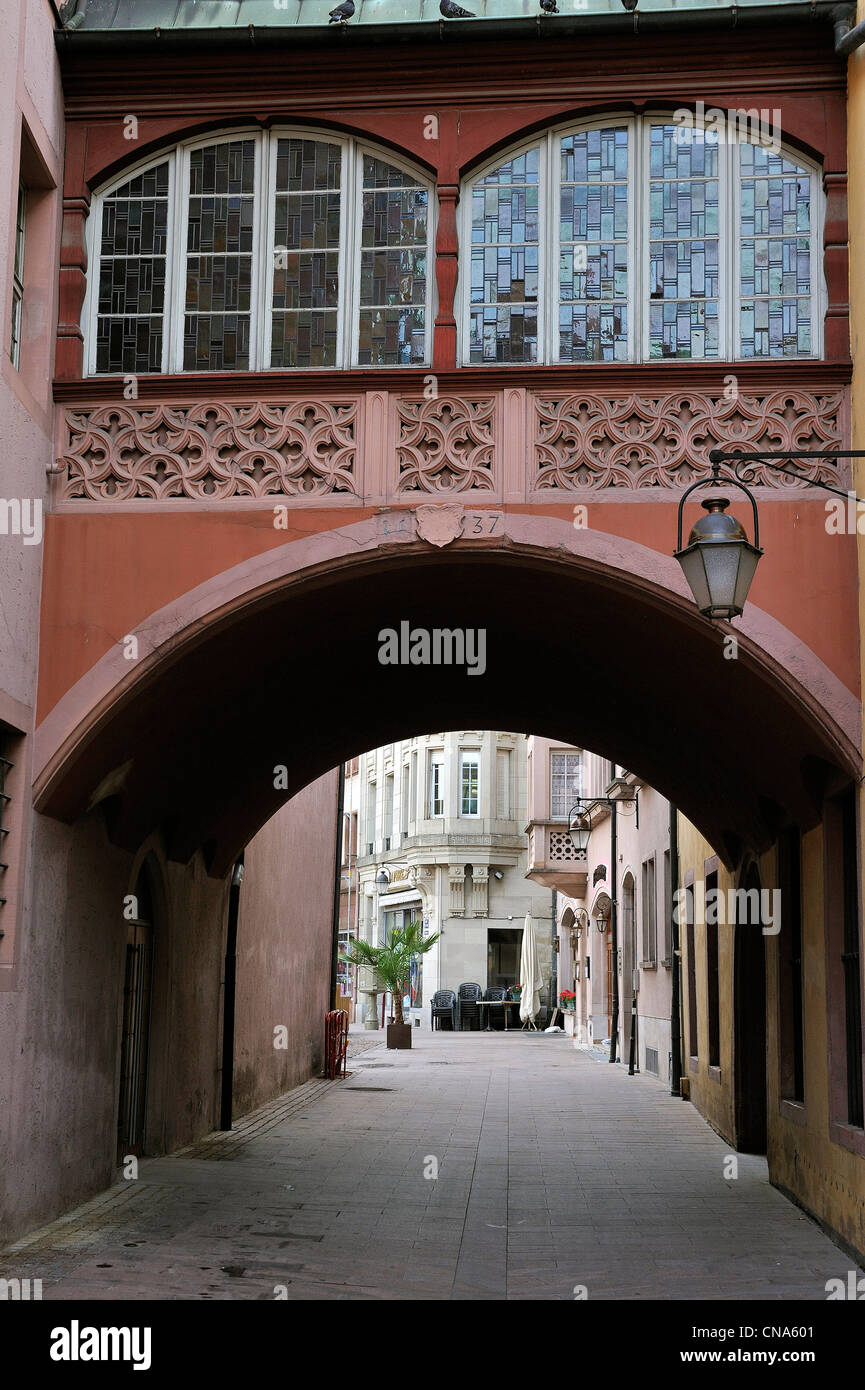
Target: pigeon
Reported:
point(342, 13)
point(549, 6)
point(452, 11)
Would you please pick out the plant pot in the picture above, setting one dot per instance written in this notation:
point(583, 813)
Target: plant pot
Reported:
point(399, 1035)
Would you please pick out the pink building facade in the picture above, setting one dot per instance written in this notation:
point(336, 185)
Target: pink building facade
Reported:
point(638, 881)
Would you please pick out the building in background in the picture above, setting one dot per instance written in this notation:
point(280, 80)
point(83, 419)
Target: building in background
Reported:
point(441, 837)
point(587, 884)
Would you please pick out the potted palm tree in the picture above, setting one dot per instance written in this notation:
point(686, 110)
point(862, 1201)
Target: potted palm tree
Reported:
point(391, 963)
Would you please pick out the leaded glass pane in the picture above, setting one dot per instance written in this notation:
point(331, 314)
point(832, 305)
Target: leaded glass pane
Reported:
point(393, 267)
point(593, 332)
point(306, 282)
point(306, 221)
point(504, 274)
point(504, 262)
point(216, 342)
point(304, 339)
point(593, 246)
point(132, 271)
point(378, 174)
point(684, 229)
point(504, 334)
point(395, 217)
point(389, 337)
point(678, 328)
point(775, 255)
point(219, 243)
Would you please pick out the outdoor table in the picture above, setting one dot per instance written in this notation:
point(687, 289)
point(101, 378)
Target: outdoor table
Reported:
point(497, 1004)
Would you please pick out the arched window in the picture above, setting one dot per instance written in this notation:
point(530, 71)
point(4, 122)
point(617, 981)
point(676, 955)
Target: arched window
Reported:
point(263, 250)
point(644, 238)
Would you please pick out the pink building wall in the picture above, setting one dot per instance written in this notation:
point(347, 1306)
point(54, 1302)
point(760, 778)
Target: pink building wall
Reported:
point(284, 944)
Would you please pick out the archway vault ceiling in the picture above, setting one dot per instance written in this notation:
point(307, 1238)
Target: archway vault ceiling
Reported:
point(573, 654)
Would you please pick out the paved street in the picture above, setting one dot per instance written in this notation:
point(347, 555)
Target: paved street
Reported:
point(554, 1170)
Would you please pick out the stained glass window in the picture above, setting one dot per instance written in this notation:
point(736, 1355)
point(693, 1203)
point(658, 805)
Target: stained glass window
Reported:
point(130, 295)
point(775, 255)
point(684, 242)
point(593, 246)
point(219, 243)
point(306, 253)
point(393, 267)
point(504, 262)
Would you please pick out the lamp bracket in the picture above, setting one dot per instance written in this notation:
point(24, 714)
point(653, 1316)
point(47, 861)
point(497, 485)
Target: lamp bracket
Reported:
point(746, 475)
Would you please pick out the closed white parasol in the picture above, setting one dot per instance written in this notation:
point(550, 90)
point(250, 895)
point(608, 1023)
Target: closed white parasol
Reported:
point(530, 974)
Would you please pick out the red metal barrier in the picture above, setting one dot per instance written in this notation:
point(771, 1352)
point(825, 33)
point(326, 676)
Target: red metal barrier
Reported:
point(335, 1043)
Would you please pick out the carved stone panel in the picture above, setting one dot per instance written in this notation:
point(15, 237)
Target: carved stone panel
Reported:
point(210, 450)
point(446, 444)
point(457, 886)
point(635, 441)
point(480, 890)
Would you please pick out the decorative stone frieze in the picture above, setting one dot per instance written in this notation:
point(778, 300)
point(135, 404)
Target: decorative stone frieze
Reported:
point(584, 440)
point(446, 444)
point(210, 450)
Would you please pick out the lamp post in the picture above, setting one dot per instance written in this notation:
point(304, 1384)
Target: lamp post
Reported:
point(579, 829)
point(719, 562)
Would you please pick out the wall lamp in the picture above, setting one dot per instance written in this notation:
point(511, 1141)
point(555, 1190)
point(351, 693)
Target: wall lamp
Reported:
point(580, 817)
point(719, 562)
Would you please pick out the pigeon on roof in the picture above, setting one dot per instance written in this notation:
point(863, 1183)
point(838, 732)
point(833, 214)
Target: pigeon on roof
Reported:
point(342, 13)
point(452, 11)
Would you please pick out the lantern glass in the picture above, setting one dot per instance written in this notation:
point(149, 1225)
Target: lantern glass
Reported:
point(579, 832)
point(719, 575)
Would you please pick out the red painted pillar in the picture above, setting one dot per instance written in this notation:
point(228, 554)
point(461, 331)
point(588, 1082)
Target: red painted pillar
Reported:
point(447, 245)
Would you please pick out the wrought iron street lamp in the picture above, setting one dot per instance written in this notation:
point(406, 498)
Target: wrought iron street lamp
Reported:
point(719, 561)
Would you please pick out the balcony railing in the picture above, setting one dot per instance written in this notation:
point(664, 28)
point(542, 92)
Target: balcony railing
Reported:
point(552, 859)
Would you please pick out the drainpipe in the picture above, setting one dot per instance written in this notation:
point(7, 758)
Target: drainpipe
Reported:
point(675, 961)
point(614, 931)
point(229, 991)
point(847, 36)
point(337, 885)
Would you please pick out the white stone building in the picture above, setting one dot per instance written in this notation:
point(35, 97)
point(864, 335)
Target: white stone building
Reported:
point(441, 836)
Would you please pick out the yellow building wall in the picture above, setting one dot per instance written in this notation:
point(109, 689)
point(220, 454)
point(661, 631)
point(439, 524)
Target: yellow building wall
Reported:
point(823, 1177)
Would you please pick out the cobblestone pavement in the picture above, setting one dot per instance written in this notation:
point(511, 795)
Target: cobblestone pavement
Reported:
point(554, 1170)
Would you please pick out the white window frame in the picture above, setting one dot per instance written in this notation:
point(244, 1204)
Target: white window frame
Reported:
point(472, 755)
point(351, 206)
point(639, 178)
point(436, 784)
point(565, 753)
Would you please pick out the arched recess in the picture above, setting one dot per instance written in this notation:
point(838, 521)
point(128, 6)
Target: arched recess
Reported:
point(276, 663)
